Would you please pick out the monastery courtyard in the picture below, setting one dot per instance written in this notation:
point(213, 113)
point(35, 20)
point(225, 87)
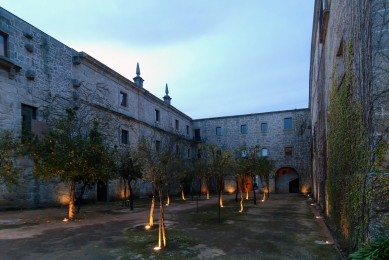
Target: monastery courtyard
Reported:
point(285, 226)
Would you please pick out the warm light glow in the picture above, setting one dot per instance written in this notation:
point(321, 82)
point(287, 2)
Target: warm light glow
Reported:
point(157, 248)
point(327, 242)
point(65, 219)
point(207, 194)
point(264, 197)
point(247, 195)
point(262, 200)
point(147, 227)
point(318, 217)
point(312, 204)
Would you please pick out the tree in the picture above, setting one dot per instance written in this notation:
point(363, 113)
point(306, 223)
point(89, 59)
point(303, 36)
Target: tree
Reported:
point(220, 165)
point(74, 153)
point(9, 147)
point(129, 169)
point(265, 166)
point(158, 160)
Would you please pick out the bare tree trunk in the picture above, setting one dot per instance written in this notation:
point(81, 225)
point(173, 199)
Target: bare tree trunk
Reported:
point(124, 202)
point(161, 228)
point(255, 198)
point(71, 200)
point(80, 198)
point(151, 221)
point(241, 196)
point(201, 180)
point(182, 192)
point(237, 189)
point(131, 195)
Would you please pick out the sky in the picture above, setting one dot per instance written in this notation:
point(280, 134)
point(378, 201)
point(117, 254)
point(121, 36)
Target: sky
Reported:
point(219, 57)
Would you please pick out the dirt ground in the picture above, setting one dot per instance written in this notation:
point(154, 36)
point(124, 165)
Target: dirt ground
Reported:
point(284, 226)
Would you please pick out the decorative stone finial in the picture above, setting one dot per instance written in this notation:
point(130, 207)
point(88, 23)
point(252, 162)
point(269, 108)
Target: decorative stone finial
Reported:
point(138, 79)
point(167, 98)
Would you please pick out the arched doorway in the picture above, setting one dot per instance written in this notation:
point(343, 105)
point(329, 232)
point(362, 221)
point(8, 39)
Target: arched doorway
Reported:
point(287, 180)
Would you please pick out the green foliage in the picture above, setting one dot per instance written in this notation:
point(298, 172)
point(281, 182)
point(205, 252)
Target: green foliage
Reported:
point(377, 250)
point(71, 154)
point(347, 157)
point(9, 147)
point(379, 153)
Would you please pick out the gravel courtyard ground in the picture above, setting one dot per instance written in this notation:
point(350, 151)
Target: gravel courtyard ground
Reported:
point(285, 226)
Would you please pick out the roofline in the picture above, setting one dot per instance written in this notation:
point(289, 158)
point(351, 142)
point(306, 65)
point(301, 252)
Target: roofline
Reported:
point(255, 114)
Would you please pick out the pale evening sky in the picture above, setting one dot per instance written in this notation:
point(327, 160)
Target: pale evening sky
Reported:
point(219, 57)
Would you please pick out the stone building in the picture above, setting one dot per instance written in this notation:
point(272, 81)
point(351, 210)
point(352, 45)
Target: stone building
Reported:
point(349, 50)
point(40, 76)
point(282, 135)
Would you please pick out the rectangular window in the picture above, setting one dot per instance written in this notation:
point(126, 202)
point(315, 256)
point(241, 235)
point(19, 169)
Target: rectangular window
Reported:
point(288, 123)
point(264, 152)
point(157, 144)
point(218, 131)
point(264, 127)
point(124, 136)
point(177, 149)
point(123, 99)
point(288, 151)
point(3, 43)
point(197, 135)
point(187, 129)
point(157, 115)
point(28, 113)
point(177, 124)
point(243, 129)
point(188, 153)
point(244, 154)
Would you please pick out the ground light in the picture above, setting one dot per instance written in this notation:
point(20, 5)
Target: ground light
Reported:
point(65, 219)
point(147, 227)
point(157, 248)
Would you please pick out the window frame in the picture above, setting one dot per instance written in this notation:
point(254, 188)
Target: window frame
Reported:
point(265, 149)
point(123, 96)
point(157, 115)
point(219, 133)
point(125, 136)
point(285, 123)
point(288, 153)
point(264, 124)
point(177, 124)
point(243, 129)
point(187, 130)
point(5, 47)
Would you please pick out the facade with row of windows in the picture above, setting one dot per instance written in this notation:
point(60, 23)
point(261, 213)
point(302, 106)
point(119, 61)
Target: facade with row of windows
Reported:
point(40, 77)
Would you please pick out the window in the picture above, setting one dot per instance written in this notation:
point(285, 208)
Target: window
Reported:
point(197, 135)
point(188, 153)
point(288, 151)
point(3, 45)
point(288, 123)
point(123, 99)
point(124, 136)
point(177, 149)
point(157, 144)
point(157, 115)
point(264, 127)
point(265, 152)
point(187, 129)
point(218, 131)
point(244, 154)
point(28, 113)
point(177, 124)
point(243, 129)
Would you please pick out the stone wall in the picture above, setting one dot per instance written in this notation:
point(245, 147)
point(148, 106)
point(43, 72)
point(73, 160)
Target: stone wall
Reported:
point(275, 139)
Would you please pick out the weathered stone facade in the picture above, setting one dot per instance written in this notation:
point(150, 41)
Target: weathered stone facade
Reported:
point(40, 76)
point(269, 131)
point(344, 31)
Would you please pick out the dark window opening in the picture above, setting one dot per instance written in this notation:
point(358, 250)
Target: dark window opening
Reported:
point(218, 131)
point(264, 127)
point(123, 99)
point(288, 151)
point(157, 144)
point(197, 135)
point(188, 153)
point(187, 129)
point(243, 129)
point(177, 149)
point(177, 124)
point(3, 45)
point(288, 123)
point(157, 116)
point(28, 113)
point(124, 136)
